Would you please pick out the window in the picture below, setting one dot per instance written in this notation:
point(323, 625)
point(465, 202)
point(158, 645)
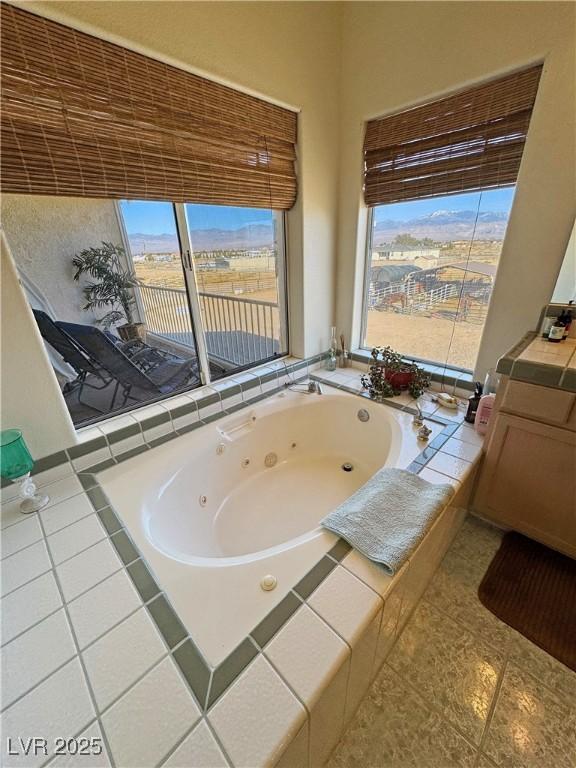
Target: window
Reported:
point(439, 179)
point(195, 293)
point(430, 271)
point(230, 285)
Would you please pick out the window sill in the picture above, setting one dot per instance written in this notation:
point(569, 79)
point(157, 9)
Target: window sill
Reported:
point(447, 375)
point(218, 396)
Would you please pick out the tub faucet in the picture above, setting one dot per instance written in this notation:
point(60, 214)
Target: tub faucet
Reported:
point(312, 387)
point(418, 418)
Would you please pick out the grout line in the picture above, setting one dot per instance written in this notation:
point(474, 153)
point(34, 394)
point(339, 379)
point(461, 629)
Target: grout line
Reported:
point(92, 511)
point(209, 686)
point(494, 702)
point(13, 591)
point(93, 586)
point(133, 684)
point(85, 517)
point(5, 558)
point(53, 758)
point(81, 660)
point(427, 702)
point(43, 537)
point(44, 509)
point(42, 680)
point(113, 626)
point(12, 639)
point(459, 622)
point(80, 551)
point(329, 626)
point(207, 707)
point(307, 710)
point(218, 740)
point(179, 743)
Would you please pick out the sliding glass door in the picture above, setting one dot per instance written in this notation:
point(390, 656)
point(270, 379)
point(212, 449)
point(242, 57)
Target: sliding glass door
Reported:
point(211, 279)
point(239, 272)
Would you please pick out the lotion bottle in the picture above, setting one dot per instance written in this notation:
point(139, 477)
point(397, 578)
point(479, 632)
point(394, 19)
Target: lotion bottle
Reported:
point(484, 413)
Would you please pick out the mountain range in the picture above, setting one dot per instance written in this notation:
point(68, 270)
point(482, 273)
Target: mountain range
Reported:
point(441, 226)
point(444, 225)
point(247, 237)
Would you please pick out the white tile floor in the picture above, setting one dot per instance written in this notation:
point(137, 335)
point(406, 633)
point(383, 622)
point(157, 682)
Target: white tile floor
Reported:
point(461, 688)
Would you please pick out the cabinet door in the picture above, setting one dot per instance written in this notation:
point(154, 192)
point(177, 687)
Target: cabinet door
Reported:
point(528, 481)
point(552, 406)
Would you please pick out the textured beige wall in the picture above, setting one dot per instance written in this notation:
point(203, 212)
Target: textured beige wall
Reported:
point(44, 233)
point(396, 55)
point(30, 396)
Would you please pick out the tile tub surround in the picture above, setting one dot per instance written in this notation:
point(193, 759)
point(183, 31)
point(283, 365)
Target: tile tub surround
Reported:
point(103, 597)
point(254, 521)
point(460, 687)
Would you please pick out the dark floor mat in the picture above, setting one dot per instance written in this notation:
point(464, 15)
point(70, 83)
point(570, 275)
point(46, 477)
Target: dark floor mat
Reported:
point(533, 589)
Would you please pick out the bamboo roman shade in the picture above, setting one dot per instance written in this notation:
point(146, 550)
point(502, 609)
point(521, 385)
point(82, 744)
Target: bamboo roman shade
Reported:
point(84, 117)
point(469, 141)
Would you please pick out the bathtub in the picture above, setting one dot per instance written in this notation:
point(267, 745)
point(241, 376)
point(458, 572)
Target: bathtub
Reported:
point(234, 506)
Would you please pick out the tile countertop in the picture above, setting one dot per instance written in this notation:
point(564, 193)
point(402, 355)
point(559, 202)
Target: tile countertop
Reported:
point(562, 355)
point(538, 361)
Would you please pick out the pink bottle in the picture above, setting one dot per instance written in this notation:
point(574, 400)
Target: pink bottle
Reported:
point(483, 413)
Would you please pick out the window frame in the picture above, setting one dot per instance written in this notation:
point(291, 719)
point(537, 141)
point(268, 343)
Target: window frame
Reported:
point(187, 248)
point(188, 267)
point(363, 347)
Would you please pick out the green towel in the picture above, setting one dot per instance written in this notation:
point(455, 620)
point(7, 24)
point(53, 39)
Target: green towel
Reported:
point(389, 516)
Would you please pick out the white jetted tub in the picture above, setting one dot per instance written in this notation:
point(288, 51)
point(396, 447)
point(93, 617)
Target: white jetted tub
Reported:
point(241, 498)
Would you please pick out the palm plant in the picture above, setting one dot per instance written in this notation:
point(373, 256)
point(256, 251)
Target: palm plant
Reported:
point(112, 284)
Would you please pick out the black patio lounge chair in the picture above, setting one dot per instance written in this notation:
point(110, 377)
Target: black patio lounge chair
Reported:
point(164, 378)
point(72, 354)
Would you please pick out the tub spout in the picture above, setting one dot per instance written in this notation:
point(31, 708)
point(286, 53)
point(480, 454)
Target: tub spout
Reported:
point(311, 388)
point(418, 418)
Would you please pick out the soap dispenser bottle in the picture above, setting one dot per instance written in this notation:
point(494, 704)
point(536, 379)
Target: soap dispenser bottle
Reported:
point(473, 403)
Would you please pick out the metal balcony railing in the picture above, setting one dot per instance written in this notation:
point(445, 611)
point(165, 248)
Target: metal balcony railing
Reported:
point(238, 330)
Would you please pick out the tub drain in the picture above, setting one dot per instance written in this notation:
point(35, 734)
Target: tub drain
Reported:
point(347, 467)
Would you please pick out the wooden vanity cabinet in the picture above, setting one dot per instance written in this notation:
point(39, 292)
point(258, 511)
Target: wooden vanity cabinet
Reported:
point(528, 477)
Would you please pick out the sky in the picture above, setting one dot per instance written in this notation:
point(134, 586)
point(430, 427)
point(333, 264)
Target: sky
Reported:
point(492, 200)
point(157, 218)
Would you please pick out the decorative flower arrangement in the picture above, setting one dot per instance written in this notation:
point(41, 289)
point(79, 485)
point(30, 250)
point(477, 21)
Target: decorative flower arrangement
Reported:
point(389, 374)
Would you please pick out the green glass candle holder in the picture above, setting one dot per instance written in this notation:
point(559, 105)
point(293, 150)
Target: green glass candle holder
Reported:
point(16, 464)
